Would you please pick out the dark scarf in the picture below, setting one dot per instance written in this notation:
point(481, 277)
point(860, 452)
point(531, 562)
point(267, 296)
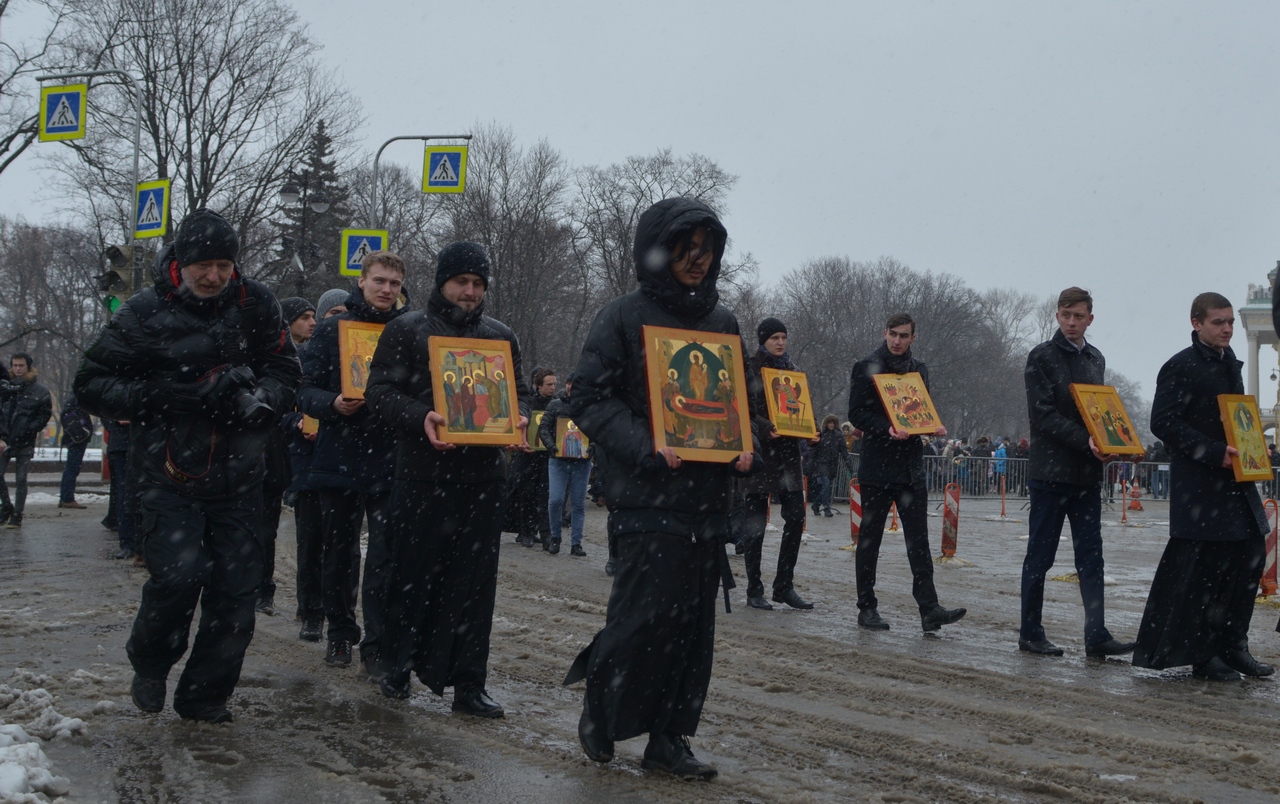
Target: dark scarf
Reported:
point(783, 362)
point(438, 305)
point(897, 364)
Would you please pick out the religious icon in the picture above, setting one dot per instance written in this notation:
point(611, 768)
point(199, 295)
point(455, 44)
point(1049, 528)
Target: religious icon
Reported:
point(787, 397)
point(1106, 420)
point(570, 441)
point(1243, 423)
point(310, 425)
point(357, 341)
point(472, 378)
point(697, 393)
point(907, 402)
point(535, 423)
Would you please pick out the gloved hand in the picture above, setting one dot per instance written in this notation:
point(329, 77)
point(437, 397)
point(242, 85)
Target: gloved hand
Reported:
point(173, 398)
point(252, 408)
point(221, 387)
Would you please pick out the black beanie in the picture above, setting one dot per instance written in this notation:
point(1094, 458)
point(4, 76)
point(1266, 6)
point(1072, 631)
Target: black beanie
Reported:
point(293, 308)
point(205, 235)
point(463, 257)
point(768, 328)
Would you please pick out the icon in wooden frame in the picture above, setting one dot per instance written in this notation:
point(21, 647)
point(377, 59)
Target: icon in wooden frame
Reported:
point(907, 402)
point(475, 391)
point(787, 398)
point(357, 341)
point(1243, 423)
point(1106, 419)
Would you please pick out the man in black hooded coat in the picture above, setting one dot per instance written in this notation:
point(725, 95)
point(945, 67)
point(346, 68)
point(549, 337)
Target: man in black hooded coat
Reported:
point(199, 364)
point(649, 668)
point(447, 500)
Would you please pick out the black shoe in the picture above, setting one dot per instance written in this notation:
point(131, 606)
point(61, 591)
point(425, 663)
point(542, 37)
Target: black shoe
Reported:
point(15, 521)
point(828, 513)
point(1041, 647)
point(758, 602)
point(546, 545)
point(525, 541)
point(671, 754)
point(372, 668)
point(214, 713)
point(475, 701)
point(577, 550)
point(739, 548)
point(791, 599)
point(815, 509)
point(610, 568)
point(1214, 670)
point(1112, 647)
point(148, 693)
point(395, 685)
point(595, 745)
point(122, 554)
point(109, 524)
point(339, 652)
point(870, 618)
point(553, 547)
point(312, 630)
point(266, 605)
point(938, 617)
point(1243, 662)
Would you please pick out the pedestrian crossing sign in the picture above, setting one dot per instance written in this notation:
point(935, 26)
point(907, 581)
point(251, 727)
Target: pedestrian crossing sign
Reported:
point(445, 169)
point(358, 244)
point(62, 112)
point(151, 209)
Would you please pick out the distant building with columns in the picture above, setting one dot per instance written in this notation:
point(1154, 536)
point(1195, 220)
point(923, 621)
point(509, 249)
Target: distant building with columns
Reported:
point(1255, 317)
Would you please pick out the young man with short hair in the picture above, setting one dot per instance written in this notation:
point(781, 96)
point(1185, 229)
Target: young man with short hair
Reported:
point(892, 471)
point(350, 467)
point(1065, 478)
point(1202, 596)
point(25, 408)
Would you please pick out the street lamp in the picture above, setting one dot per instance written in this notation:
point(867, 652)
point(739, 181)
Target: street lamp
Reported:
point(292, 194)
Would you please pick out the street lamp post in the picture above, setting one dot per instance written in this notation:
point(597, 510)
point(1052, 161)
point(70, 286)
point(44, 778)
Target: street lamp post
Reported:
point(290, 194)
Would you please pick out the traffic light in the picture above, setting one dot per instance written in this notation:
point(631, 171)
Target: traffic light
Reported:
point(117, 281)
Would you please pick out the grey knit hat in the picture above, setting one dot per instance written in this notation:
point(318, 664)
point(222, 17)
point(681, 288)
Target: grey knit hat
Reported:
point(331, 298)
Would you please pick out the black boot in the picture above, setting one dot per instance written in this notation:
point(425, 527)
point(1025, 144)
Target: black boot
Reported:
point(671, 754)
point(473, 700)
point(595, 745)
point(148, 693)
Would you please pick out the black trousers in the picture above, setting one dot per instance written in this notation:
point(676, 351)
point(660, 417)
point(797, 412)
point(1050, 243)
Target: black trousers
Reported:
point(342, 514)
point(270, 529)
point(443, 581)
point(1201, 602)
point(530, 500)
point(913, 510)
point(648, 670)
point(757, 509)
point(309, 525)
point(205, 550)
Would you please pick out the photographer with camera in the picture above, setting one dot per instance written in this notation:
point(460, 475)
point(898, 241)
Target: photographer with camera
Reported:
point(199, 364)
point(25, 408)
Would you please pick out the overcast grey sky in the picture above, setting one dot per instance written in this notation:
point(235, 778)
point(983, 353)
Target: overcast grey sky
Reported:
point(1130, 148)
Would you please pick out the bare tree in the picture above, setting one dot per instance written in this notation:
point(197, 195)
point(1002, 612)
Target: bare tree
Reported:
point(19, 62)
point(232, 91)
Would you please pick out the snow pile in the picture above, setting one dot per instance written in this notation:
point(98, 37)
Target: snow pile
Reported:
point(26, 773)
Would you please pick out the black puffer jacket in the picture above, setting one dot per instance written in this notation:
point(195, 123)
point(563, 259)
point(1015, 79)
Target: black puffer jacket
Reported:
point(24, 411)
point(884, 460)
point(1059, 441)
point(610, 399)
point(350, 451)
point(165, 337)
point(400, 394)
point(782, 470)
point(1205, 501)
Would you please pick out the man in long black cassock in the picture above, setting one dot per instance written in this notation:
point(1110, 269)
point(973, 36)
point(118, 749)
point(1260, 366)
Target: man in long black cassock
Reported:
point(649, 668)
point(1201, 599)
point(445, 520)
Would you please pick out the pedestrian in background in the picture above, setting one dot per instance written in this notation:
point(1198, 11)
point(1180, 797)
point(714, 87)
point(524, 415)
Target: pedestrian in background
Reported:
point(77, 429)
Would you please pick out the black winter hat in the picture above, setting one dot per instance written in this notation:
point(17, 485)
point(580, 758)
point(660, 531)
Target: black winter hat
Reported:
point(463, 257)
point(768, 328)
point(205, 235)
point(293, 308)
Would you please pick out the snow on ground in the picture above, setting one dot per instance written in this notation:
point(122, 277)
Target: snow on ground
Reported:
point(28, 717)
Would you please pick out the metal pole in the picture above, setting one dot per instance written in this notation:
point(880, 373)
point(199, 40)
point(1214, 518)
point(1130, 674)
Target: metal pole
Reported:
point(301, 247)
point(373, 213)
point(137, 143)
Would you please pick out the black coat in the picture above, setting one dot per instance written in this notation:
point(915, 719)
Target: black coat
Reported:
point(559, 406)
point(829, 453)
point(399, 392)
point(350, 452)
point(1059, 440)
point(884, 460)
point(24, 411)
point(1205, 501)
point(610, 389)
point(163, 336)
point(782, 467)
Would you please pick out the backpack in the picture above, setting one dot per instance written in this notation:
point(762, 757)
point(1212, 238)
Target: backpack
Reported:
point(77, 426)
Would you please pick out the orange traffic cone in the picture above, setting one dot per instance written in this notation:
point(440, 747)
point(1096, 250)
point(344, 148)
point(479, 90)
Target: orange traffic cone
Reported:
point(1135, 497)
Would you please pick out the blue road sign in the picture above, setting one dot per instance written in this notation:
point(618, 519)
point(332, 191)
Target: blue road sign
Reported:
point(358, 244)
point(151, 209)
point(62, 112)
point(445, 169)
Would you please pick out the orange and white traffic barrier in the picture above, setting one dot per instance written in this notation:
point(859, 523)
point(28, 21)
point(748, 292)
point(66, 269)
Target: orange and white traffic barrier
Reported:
point(893, 524)
point(1002, 509)
point(950, 519)
point(855, 510)
point(1135, 497)
point(1267, 586)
